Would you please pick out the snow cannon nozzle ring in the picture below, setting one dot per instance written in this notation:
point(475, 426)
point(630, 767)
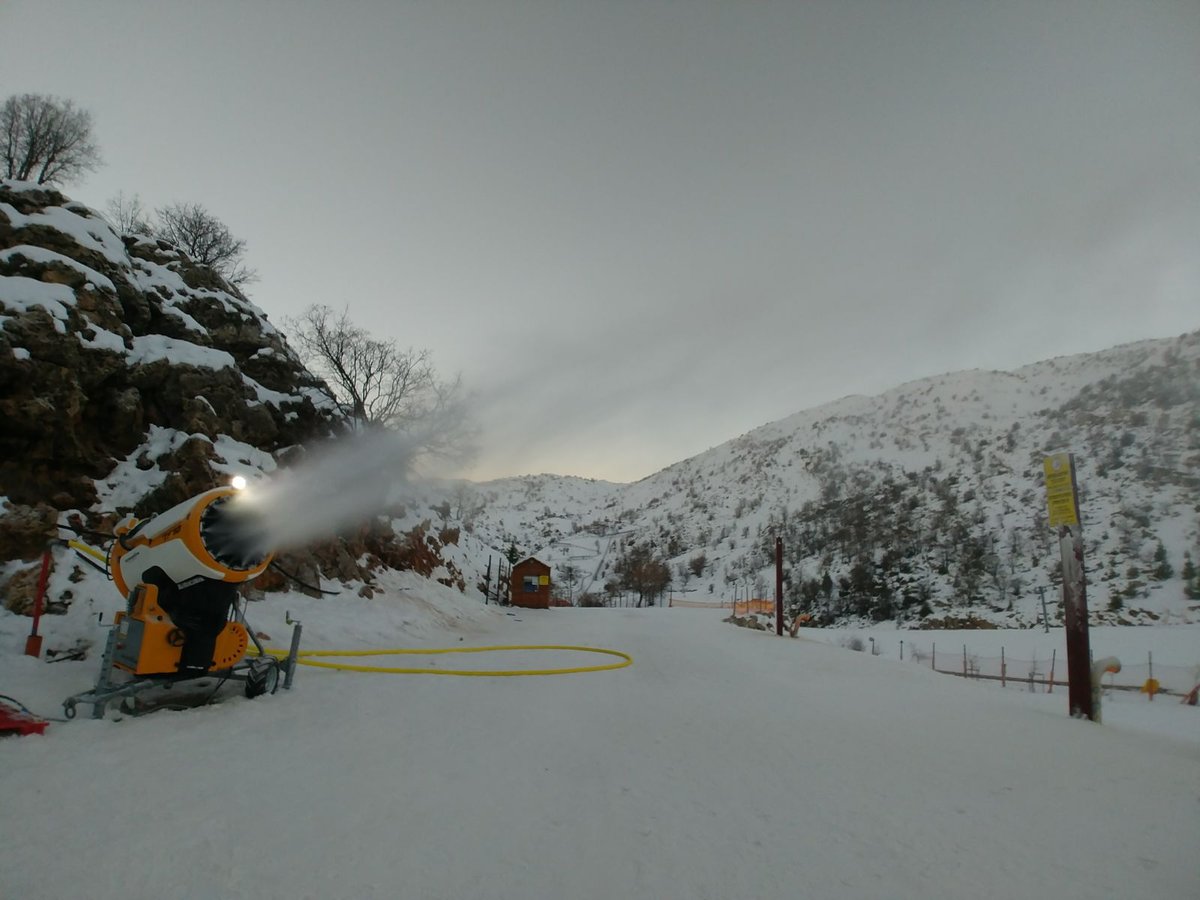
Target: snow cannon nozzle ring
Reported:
point(234, 533)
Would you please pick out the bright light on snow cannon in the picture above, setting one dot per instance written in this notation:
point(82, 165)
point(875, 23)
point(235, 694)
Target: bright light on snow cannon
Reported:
point(215, 535)
point(238, 482)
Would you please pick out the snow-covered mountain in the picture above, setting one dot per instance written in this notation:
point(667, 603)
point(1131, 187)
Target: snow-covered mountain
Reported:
point(923, 502)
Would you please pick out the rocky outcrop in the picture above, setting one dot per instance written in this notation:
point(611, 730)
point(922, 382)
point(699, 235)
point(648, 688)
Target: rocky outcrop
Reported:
point(104, 336)
point(132, 378)
point(356, 555)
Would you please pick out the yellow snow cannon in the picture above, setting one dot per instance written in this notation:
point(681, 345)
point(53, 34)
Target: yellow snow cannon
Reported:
point(184, 617)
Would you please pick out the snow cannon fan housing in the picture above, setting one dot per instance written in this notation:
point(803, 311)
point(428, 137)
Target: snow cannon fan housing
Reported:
point(212, 536)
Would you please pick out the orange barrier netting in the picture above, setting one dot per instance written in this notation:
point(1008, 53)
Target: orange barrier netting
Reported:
point(756, 606)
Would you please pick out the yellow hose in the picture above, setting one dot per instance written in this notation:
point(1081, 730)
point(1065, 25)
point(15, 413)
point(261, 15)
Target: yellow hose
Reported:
point(90, 551)
point(302, 659)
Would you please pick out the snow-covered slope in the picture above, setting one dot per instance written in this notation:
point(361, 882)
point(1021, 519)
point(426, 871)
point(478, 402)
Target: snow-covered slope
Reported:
point(933, 490)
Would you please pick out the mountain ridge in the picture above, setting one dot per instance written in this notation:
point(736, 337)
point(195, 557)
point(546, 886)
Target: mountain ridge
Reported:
point(985, 430)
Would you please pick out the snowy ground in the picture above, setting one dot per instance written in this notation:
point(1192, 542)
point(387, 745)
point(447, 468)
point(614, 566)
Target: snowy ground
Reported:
point(724, 763)
point(1169, 653)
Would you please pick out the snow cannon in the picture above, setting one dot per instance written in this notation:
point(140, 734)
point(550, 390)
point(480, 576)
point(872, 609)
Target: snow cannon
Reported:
point(179, 573)
point(214, 536)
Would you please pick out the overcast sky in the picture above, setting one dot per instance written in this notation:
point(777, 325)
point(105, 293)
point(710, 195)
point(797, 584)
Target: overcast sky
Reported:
point(640, 229)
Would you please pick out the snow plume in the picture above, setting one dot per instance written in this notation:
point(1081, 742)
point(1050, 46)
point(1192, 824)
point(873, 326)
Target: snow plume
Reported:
point(338, 485)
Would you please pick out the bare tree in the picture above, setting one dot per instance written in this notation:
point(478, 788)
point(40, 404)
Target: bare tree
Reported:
point(46, 139)
point(570, 576)
point(640, 570)
point(206, 239)
point(377, 384)
point(128, 215)
point(469, 503)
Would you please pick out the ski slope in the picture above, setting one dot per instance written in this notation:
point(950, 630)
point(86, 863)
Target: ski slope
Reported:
point(724, 763)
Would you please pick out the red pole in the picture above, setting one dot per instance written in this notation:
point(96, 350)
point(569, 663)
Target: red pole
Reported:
point(778, 586)
point(33, 643)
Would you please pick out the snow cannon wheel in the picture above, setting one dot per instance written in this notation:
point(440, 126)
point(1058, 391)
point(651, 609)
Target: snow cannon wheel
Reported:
point(262, 677)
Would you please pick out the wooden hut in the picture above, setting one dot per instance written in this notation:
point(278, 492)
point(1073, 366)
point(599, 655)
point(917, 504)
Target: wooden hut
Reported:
point(531, 584)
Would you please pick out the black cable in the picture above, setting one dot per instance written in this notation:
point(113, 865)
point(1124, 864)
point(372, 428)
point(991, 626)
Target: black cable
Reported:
point(29, 712)
point(85, 532)
point(128, 535)
point(220, 684)
point(286, 574)
point(83, 557)
point(17, 703)
point(77, 653)
point(82, 532)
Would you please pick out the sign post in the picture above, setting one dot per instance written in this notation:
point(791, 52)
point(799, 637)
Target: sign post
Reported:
point(1062, 502)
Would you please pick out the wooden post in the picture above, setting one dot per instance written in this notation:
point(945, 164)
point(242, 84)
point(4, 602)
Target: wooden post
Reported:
point(1003, 670)
point(1079, 667)
point(933, 657)
point(778, 587)
point(964, 660)
point(1063, 504)
point(1053, 657)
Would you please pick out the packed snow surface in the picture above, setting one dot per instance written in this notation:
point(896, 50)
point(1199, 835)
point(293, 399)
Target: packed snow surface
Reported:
point(724, 763)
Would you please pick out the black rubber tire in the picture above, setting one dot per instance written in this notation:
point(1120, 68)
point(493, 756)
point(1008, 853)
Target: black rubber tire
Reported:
point(261, 679)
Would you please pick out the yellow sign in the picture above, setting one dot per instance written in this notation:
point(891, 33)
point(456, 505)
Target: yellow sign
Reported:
point(1060, 490)
point(543, 579)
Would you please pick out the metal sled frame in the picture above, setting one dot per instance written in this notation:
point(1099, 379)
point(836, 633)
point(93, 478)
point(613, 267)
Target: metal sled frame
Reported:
point(247, 669)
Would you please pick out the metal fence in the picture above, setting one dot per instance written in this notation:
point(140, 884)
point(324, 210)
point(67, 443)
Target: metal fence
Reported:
point(1050, 672)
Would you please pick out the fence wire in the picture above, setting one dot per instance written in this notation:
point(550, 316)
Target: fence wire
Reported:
point(1051, 671)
